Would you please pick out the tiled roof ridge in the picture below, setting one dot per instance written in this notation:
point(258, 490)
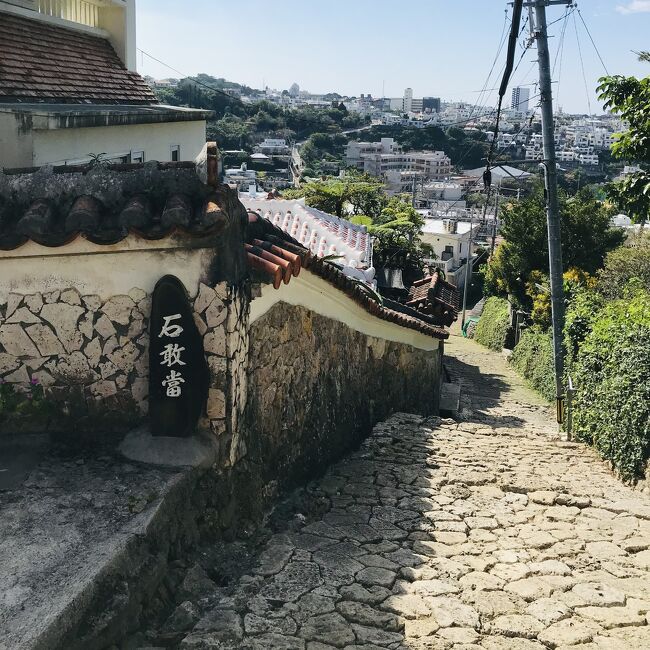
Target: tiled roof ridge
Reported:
point(93, 166)
point(322, 233)
point(105, 203)
point(264, 231)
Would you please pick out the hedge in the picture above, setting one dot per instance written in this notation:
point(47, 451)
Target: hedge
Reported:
point(532, 358)
point(493, 326)
point(611, 372)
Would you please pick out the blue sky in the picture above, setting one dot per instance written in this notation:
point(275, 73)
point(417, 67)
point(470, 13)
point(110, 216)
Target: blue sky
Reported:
point(361, 46)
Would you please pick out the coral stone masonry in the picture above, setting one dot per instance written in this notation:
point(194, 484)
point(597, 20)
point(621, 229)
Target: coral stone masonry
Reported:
point(81, 250)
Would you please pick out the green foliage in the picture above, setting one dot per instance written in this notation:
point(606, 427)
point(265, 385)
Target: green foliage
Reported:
point(630, 261)
point(583, 310)
point(629, 97)
point(492, 328)
point(28, 402)
point(586, 238)
point(323, 153)
point(393, 222)
point(532, 358)
point(611, 372)
point(238, 125)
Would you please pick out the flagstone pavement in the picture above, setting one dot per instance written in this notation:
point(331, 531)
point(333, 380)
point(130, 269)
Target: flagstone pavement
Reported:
point(486, 533)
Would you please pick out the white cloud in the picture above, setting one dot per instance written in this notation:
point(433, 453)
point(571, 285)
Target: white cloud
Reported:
point(635, 7)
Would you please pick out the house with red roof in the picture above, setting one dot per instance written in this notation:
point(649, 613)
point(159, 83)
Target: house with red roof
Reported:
point(70, 91)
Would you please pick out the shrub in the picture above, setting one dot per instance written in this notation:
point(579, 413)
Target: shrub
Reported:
point(492, 328)
point(629, 261)
point(612, 377)
point(24, 402)
point(532, 358)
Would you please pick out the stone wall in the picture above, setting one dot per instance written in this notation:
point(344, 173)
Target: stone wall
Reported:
point(90, 354)
point(316, 387)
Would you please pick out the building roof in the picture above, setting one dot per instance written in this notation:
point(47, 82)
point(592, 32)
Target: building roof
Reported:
point(104, 204)
point(273, 252)
point(323, 234)
point(437, 227)
point(433, 295)
point(43, 62)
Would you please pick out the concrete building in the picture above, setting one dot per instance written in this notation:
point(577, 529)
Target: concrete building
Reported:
point(520, 97)
point(381, 158)
point(450, 241)
point(431, 104)
point(69, 90)
point(273, 147)
point(407, 106)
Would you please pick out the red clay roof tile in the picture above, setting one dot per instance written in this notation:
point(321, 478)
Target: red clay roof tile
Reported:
point(45, 62)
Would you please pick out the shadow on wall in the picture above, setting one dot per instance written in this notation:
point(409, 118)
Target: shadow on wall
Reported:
point(316, 387)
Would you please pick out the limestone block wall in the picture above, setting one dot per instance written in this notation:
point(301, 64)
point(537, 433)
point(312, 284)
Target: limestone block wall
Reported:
point(316, 387)
point(90, 354)
point(211, 309)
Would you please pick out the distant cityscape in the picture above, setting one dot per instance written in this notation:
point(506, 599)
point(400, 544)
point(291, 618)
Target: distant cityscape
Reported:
point(580, 139)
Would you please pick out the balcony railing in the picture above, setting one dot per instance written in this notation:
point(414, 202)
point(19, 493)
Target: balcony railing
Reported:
point(77, 11)
point(444, 265)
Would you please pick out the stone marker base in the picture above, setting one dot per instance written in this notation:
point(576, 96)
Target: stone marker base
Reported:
point(139, 445)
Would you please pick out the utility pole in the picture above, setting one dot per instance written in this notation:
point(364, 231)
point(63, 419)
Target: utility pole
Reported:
point(539, 32)
point(496, 217)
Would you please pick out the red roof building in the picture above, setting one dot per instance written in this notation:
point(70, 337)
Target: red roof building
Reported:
point(69, 90)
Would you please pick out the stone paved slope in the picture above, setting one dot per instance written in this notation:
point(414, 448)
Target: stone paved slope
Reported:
point(486, 534)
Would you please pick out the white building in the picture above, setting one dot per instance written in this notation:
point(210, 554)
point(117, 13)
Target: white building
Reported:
point(70, 93)
point(520, 97)
point(407, 106)
point(450, 241)
point(380, 158)
point(273, 147)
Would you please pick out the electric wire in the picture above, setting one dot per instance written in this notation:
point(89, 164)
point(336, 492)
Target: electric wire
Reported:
point(592, 41)
point(559, 56)
point(194, 79)
point(582, 64)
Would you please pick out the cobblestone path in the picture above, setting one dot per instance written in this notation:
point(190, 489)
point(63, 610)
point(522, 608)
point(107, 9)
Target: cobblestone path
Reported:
point(488, 533)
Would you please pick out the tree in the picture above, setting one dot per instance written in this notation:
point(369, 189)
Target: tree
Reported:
point(629, 97)
point(628, 262)
point(587, 237)
point(393, 222)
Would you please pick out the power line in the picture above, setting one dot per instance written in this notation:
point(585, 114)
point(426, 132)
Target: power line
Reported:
point(194, 79)
point(582, 64)
point(592, 41)
point(560, 54)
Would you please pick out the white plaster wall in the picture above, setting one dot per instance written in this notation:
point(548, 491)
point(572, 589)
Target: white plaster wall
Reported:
point(314, 293)
point(61, 145)
point(15, 147)
point(105, 271)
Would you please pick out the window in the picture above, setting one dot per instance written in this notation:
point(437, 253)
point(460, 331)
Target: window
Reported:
point(137, 156)
point(176, 152)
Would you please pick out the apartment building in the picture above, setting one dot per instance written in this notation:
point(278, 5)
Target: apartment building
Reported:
point(520, 97)
point(383, 158)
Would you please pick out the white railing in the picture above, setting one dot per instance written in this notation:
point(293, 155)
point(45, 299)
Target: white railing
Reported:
point(446, 265)
point(77, 11)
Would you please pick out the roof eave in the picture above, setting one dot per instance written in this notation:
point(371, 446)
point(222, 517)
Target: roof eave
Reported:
point(51, 117)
